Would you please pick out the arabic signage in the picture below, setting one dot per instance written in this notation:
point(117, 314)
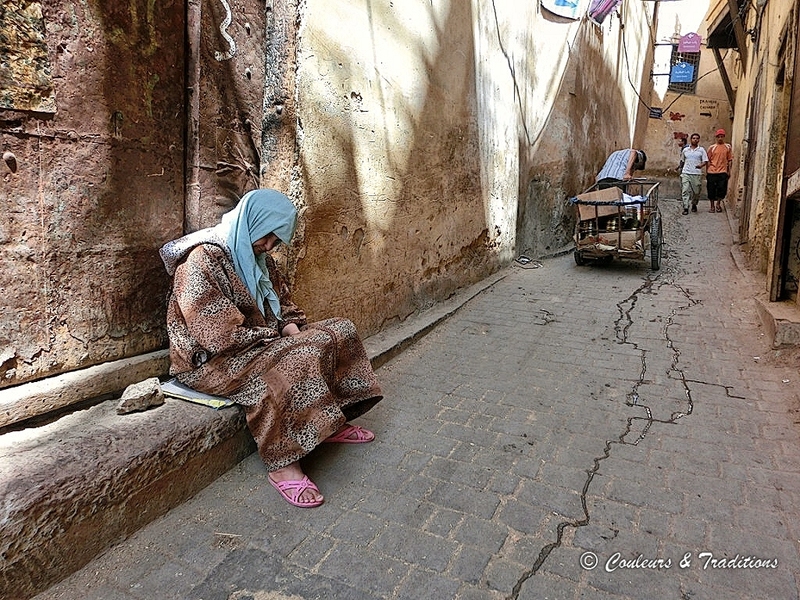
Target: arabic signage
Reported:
point(689, 43)
point(681, 73)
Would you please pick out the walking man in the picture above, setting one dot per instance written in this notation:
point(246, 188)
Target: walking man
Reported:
point(720, 158)
point(694, 159)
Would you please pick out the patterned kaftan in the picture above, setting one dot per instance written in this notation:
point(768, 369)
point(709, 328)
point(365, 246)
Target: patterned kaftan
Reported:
point(296, 390)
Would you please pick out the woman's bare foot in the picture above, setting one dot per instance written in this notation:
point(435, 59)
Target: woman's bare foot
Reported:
point(309, 496)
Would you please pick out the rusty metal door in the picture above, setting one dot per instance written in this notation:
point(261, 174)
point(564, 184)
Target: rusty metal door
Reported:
point(225, 91)
point(92, 126)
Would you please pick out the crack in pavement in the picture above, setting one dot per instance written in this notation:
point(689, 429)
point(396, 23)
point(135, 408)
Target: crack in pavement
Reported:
point(622, 328)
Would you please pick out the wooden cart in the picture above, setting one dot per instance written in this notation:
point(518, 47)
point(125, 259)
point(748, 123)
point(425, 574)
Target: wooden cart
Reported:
point(620, 220)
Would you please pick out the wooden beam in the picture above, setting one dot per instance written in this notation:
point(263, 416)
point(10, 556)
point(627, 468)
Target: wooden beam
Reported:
point(739, 32)
point(726, 81)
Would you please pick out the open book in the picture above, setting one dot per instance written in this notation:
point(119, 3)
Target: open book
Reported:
point(175, 389)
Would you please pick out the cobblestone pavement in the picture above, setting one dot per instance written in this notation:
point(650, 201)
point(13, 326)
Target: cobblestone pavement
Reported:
point(566, 430)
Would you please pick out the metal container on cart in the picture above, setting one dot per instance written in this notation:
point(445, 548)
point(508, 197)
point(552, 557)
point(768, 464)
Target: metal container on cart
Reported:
point(619, 220)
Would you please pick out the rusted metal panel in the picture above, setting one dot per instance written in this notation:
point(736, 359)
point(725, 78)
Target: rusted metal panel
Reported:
point(227, 95)
point(26, 82)
point(96, 190)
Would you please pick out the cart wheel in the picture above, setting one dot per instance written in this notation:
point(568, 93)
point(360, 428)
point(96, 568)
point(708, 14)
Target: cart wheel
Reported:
point(579, 260)
point(655, 242)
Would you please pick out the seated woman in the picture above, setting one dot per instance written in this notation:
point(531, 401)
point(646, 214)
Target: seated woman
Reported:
point(234, 331)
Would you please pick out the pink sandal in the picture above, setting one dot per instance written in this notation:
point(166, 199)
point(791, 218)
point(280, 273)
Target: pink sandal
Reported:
point(362, 436)
point(292, 489)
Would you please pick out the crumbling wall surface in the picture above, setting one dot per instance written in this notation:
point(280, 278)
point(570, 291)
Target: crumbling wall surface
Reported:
point(435, 141)
point(771, 118)
point(588, 120)
point(92, 182)
point(390, 158)
point(576, 114)
point(772, 146)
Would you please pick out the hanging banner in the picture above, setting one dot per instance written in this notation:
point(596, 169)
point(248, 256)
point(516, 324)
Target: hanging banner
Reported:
point(600, 9)
point(681, 73)
point(690, 43)
point(569, 9)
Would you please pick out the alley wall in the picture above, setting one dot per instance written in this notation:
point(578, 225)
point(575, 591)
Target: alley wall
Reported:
point(426, 144)
point(92, 126)
point(761, 117)
point(440, 140)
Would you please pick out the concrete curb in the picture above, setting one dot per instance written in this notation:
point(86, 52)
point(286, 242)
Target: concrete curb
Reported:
point(387, 344)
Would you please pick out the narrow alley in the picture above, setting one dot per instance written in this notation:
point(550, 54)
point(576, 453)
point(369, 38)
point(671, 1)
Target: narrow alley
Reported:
point(571, 432)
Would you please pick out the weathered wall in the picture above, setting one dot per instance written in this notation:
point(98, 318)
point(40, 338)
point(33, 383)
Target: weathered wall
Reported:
point(422, 127)
point(426, 144)
point(389, 159)
point(593, 111)
point(98, 185)
point(762, 101)
point(227, 73)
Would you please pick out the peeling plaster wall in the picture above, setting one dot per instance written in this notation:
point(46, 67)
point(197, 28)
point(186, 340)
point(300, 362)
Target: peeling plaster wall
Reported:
point(425, 143)
point(424, 126)
point(591, 108)
point(96, 187)
point(771, 100)
point(389, 158)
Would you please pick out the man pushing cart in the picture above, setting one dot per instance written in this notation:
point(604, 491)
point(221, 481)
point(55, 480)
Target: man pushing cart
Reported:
point(618, 216)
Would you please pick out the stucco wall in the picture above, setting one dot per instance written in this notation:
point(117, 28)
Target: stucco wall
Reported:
point(593, 111)
point(389, 159)
point(426, 144)
point(762, 103)
point(423, 125)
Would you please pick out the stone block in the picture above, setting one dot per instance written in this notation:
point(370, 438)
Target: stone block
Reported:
point(781, 320)
point(73, 487)
point(141, 396)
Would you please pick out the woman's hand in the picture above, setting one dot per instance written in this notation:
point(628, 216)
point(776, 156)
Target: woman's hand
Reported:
point(290, 329)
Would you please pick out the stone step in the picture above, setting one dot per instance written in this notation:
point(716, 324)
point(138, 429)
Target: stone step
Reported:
point(781, 320)
point(71, 488)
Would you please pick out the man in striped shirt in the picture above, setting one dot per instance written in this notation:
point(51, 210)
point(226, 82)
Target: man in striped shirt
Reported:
point(620, 166)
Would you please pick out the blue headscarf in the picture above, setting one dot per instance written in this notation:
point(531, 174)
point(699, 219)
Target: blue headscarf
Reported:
point(258, 214)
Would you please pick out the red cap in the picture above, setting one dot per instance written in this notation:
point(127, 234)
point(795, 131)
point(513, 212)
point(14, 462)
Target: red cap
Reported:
point(720, 132)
